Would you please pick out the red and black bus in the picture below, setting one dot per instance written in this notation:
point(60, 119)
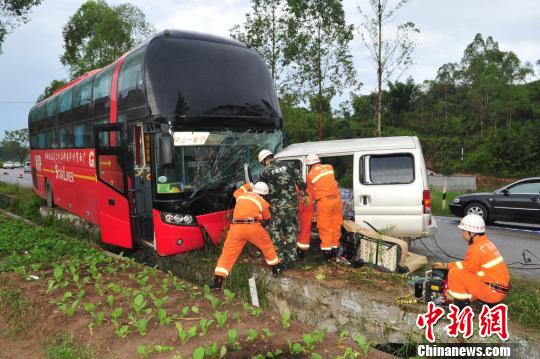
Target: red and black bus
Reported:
point(151, 147)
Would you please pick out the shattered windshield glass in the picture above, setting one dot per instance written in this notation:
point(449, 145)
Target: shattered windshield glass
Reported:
point(213, 160)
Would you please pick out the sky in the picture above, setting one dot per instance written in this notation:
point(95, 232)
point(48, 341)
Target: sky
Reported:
point(31, 58)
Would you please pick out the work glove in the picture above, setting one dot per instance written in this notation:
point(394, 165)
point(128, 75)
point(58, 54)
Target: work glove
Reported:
point(305, 201)
point(440, 265)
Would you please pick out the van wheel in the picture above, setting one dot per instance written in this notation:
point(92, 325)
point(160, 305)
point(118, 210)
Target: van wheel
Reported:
point(478, 209)
point(49, 195)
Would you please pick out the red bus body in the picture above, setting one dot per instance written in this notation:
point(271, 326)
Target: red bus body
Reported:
point(96, 142)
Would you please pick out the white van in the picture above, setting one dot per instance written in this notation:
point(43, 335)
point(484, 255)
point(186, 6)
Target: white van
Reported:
point(386, 178)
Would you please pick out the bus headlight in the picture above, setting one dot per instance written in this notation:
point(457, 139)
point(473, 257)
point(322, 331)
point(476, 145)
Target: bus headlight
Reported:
point(177, 218)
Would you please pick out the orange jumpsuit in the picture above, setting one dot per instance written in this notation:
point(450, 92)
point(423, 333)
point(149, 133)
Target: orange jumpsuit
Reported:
point(322, 184)
point(305, 214)
point(483, 264)
point(249, 206)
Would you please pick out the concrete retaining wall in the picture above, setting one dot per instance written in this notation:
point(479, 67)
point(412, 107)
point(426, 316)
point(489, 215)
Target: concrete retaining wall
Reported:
point(361, 311)
point(453, 183)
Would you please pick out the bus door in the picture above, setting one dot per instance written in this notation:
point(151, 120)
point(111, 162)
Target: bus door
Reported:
point(113, 196)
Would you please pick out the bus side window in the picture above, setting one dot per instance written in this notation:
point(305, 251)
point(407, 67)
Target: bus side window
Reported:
point(101, 96)
point(79, 136)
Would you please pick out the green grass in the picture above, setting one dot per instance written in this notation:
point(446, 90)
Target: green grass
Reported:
point(62, 347)
point(436, 202)
point(19, 314)
point(524, 302)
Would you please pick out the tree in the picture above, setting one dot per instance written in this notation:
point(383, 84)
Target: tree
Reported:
point(265, 30)
point(15, 144)
point(49, 90)
point(388, 54)
point(97, 34)
point(318, 46)
point(12, 14)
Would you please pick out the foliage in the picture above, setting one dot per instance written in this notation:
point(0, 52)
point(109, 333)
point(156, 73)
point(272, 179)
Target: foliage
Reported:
point(14, 145)
point(12, 14)
point(98, 33)
point(265, 31)
point(318, 46)
point(49, 90)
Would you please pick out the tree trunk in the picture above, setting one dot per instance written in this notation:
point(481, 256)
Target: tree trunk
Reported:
point(319, 80)
point(379, 72)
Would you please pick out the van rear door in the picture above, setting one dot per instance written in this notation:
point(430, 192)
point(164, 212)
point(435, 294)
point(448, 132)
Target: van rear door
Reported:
point(388, 191)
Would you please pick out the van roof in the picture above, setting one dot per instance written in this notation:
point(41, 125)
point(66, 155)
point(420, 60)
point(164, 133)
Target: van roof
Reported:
point(349, 145)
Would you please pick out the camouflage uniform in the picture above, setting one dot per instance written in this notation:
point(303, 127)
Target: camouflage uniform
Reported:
point(283, 228)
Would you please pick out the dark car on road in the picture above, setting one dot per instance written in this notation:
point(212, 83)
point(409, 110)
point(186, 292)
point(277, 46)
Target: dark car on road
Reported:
point(516, 202)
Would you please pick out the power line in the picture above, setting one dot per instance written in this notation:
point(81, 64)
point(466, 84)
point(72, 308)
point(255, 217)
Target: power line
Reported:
point(2, 101)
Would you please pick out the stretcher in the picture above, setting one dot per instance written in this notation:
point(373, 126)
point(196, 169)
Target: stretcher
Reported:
point(383, 252)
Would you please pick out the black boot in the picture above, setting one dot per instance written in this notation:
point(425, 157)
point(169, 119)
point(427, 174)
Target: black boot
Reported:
point(300, 253)
point(278, 269)
point(333, 253)
point(327, 255)
point(217, 287)
point(461, 303)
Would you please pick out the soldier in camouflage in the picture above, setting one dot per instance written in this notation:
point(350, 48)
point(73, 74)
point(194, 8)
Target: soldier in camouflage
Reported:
point(282, 180)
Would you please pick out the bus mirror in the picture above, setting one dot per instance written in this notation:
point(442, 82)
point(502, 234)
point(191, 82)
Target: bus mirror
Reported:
point(166, 149)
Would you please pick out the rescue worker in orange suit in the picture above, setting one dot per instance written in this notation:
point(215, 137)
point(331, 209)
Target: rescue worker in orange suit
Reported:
point(305, 215)
point(250, 209)
point(322, 184)
point(482, 275)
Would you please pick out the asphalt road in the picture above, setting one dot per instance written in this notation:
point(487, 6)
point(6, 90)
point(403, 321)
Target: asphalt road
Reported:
point(12, 176)
point(510, 238)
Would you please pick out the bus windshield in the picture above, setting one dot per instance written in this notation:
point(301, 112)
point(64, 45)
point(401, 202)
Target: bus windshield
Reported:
point(212, 160)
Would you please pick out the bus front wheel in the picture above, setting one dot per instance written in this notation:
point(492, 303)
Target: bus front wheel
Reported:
point(49, 195)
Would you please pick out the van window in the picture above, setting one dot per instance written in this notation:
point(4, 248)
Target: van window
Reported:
point(388, 169)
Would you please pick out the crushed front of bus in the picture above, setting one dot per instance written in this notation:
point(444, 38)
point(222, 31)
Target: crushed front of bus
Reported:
point(194, 192)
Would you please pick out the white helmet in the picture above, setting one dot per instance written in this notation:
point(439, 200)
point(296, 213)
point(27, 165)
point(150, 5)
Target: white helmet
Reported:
point(264, 154)
point(312, 159)
point(472, 223)
point(261, 188)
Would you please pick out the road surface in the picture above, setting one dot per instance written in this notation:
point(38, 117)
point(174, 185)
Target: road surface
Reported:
point(510, 238)
point(12, 176)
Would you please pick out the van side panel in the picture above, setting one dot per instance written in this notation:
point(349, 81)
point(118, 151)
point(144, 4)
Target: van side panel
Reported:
point(388, 191)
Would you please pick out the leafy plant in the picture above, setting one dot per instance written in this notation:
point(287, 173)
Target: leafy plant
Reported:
point(348, 354)
point(252, 311)
point(232, 339)
point(184, 335)
point(311, 339)
point(140, 323)
point(213, 300)
point(212, 350)
point(341, 337)
point(285, 319)
point(122, 331)
point(252, 335)
point(138, 303)
point(147, 350)
point(316, 356)
point(162, 317)
point(195, 309)
point(199, 353)
point(205, 325)
point(236, 317)
point(267, 333)
point(229, 296)
point(158, 302)
point(110, 299)
point(295, 348)
point(363, 343)
point(221, 318)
